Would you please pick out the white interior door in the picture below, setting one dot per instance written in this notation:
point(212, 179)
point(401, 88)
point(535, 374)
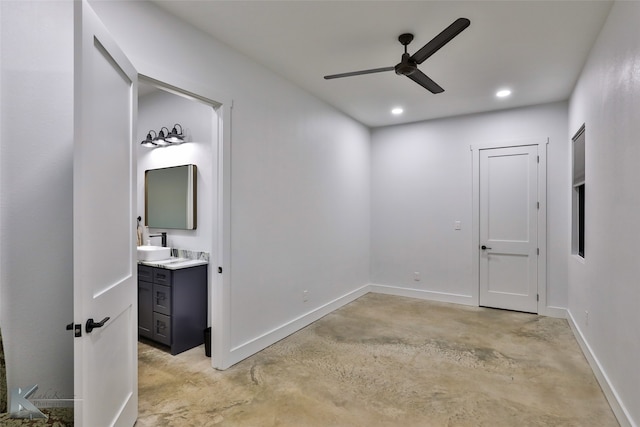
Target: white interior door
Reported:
point(105, 275)
point(509, 228)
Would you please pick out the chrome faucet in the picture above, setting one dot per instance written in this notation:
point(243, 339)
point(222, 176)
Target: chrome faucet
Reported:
point(163, 235)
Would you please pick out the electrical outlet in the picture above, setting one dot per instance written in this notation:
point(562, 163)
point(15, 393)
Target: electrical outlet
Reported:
point(416, 276)
point(305, 295)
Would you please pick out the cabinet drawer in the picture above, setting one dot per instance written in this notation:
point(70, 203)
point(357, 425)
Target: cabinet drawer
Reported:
point(161, 276)
point(162, 328)
point(162, 299)
point(145, 273)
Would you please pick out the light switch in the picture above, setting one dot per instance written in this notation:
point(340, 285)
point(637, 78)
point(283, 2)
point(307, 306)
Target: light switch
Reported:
point(456, 225)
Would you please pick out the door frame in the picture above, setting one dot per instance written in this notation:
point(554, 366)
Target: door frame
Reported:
point(220, 283)
point(542, 215)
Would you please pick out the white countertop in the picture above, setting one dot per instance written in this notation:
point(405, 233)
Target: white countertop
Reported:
point(174, 263)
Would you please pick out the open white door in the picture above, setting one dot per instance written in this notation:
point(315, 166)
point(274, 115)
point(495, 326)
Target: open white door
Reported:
point(105, 275)
point(509, 228)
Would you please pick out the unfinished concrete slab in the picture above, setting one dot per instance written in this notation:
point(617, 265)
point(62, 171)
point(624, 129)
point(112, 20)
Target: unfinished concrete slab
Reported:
point(387, 361)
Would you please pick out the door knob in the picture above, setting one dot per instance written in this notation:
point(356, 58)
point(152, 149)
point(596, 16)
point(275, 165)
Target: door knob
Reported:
point(483, 247)
point(91, 325)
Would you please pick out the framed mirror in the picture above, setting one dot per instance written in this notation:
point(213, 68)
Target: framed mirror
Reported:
point(170, 197)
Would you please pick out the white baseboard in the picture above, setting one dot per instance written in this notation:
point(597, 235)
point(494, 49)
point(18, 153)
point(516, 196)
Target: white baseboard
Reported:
point(559, 312)
point(257, 344)
point(422, 294)
point(619, 410)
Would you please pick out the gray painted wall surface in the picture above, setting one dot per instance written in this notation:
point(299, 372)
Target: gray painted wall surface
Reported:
point(605, 284)
point(422, 183)
point(36, 193)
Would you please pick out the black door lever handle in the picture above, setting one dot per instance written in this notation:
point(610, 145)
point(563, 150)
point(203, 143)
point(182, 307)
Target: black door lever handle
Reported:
point(91, 325)
point(483, 247)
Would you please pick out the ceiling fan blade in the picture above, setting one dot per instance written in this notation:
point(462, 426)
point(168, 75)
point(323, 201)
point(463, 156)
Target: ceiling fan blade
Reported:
point(424, 81)
point(440, 40)
point(357, 73)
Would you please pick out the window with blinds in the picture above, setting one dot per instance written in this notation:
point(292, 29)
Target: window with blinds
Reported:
point(577, 243)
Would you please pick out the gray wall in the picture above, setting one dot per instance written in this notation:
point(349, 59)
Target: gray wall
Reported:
point(36, 190)
point(421, 184)
point(605, 284)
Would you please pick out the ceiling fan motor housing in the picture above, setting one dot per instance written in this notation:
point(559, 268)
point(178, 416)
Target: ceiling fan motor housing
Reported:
point(407, 66)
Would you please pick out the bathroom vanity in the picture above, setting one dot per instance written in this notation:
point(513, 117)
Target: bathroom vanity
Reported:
point(172, 303)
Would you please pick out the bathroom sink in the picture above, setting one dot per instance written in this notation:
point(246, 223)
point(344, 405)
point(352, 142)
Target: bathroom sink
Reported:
point(153, 253)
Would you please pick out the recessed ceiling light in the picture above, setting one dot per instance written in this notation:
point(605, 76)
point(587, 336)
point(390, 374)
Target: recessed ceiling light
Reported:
point(503, 93)
point(396, 111)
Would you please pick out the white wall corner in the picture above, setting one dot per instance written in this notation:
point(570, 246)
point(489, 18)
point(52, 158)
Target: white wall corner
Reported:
point(618, 408)
point(423, 294)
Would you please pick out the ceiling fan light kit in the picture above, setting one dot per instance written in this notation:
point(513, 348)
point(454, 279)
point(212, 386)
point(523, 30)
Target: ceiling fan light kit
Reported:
point(408, 65)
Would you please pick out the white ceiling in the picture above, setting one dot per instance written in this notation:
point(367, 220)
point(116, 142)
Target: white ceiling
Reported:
point(535, 48)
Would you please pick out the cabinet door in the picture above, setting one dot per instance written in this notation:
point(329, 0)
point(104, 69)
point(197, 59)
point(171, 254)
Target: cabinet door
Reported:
point(162, 299)
point(162, 328)
point(145, 309)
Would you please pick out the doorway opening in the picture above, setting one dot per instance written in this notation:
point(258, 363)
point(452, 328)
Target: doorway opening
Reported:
point(202, 122)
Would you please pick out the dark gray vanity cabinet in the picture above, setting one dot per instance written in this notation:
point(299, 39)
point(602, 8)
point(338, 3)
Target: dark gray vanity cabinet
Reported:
point(172, 306)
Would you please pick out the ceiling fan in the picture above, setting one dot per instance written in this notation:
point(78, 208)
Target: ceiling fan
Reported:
point(408, 65)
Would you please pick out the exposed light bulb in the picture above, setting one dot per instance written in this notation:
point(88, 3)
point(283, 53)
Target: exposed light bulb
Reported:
point(397, 111)
point(503, 93)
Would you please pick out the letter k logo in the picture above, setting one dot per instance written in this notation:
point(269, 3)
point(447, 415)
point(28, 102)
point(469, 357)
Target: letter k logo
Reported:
point(20, 407)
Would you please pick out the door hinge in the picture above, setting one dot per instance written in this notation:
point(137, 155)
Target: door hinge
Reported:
point(538, 159)
point(219, 269)
point(538, 205)
point(537, 297)
point(538, 250)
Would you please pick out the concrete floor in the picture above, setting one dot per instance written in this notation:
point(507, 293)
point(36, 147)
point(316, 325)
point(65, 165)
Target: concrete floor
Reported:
point(386, 361)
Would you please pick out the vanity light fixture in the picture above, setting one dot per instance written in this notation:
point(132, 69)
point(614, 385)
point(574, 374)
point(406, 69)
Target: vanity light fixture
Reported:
point(148, 142)
point(164, 138)
point(174, 137)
